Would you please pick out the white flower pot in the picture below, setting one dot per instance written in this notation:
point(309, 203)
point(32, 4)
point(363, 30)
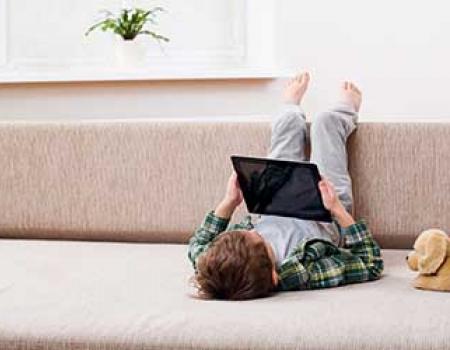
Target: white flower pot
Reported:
point(130, 53)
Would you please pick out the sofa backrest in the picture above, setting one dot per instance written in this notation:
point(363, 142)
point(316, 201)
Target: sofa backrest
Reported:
point(153, 181)
point(401, 179)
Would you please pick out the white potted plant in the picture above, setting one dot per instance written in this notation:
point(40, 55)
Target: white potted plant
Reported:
point(129, 26)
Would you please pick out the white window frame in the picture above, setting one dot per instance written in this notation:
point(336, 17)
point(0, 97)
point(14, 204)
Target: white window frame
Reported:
point(254, 55)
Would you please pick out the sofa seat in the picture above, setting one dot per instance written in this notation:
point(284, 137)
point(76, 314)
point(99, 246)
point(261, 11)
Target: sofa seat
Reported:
point(95, 295)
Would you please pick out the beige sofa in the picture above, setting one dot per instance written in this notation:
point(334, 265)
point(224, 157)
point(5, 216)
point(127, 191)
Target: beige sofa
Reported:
point(95, 217)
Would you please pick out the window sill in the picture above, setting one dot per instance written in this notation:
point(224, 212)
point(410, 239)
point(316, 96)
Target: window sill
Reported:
point(92, 75)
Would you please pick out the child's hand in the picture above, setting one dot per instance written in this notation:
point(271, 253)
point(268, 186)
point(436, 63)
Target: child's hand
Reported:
point(233, 198)
point(233, 194)
point(329, 197)
point(332, 202)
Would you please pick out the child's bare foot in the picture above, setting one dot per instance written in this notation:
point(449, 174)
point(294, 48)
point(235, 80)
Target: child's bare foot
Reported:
point(351, 95)
point(296, 88)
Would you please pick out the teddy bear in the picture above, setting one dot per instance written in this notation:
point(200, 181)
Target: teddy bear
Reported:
point(431, 258)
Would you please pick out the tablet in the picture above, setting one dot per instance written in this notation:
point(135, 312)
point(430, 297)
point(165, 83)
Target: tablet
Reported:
point(280, 187)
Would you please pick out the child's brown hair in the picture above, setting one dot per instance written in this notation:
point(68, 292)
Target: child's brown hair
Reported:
point(235, 267)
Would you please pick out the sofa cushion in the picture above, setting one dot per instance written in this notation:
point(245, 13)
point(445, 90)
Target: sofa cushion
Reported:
point(401, 180)
point(153, 181)
point(61, 295)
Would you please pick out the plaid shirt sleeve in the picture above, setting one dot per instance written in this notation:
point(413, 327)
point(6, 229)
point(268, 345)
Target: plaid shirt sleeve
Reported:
point(292, 275)
point(319, 264)
point(210, 228)
point(365, 262)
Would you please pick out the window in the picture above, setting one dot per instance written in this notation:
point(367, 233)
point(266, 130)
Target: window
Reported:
point(210, 39)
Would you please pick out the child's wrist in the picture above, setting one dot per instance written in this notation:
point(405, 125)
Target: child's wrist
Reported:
point(232, 201)
point(337, 209)
point(225, 209)
point(342, 216)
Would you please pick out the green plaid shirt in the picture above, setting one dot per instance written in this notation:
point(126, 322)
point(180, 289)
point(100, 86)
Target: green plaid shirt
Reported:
point(313, 263)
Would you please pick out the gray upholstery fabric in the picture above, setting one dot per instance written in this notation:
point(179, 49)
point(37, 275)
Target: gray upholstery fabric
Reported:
point(153, 181)
point(87, 295)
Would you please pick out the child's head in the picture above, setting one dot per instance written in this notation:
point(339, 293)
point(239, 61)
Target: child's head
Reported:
point(238, 265)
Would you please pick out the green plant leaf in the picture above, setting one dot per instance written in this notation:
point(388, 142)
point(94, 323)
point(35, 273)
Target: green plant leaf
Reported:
point(130, 23)
point(154, 35)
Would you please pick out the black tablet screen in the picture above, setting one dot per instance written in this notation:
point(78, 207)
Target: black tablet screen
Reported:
point(284, 188)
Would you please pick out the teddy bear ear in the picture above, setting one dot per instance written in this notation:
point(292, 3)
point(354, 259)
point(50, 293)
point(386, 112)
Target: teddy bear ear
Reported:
point(435, 254)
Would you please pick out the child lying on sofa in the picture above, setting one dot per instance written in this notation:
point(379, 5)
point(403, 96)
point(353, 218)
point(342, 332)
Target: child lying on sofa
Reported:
point(252, 260)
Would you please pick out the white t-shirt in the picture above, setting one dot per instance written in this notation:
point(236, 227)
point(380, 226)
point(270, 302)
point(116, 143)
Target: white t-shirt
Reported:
point(285, 234)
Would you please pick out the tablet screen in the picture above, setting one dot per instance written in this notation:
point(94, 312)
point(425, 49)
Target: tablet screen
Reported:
point(278, 187)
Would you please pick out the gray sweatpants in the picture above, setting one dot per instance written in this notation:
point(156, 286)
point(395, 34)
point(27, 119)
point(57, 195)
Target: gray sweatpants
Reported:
point(329, 133)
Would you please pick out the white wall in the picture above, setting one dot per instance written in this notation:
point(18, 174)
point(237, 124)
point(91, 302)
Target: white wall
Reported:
point(138, 100)
point(398, 51)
